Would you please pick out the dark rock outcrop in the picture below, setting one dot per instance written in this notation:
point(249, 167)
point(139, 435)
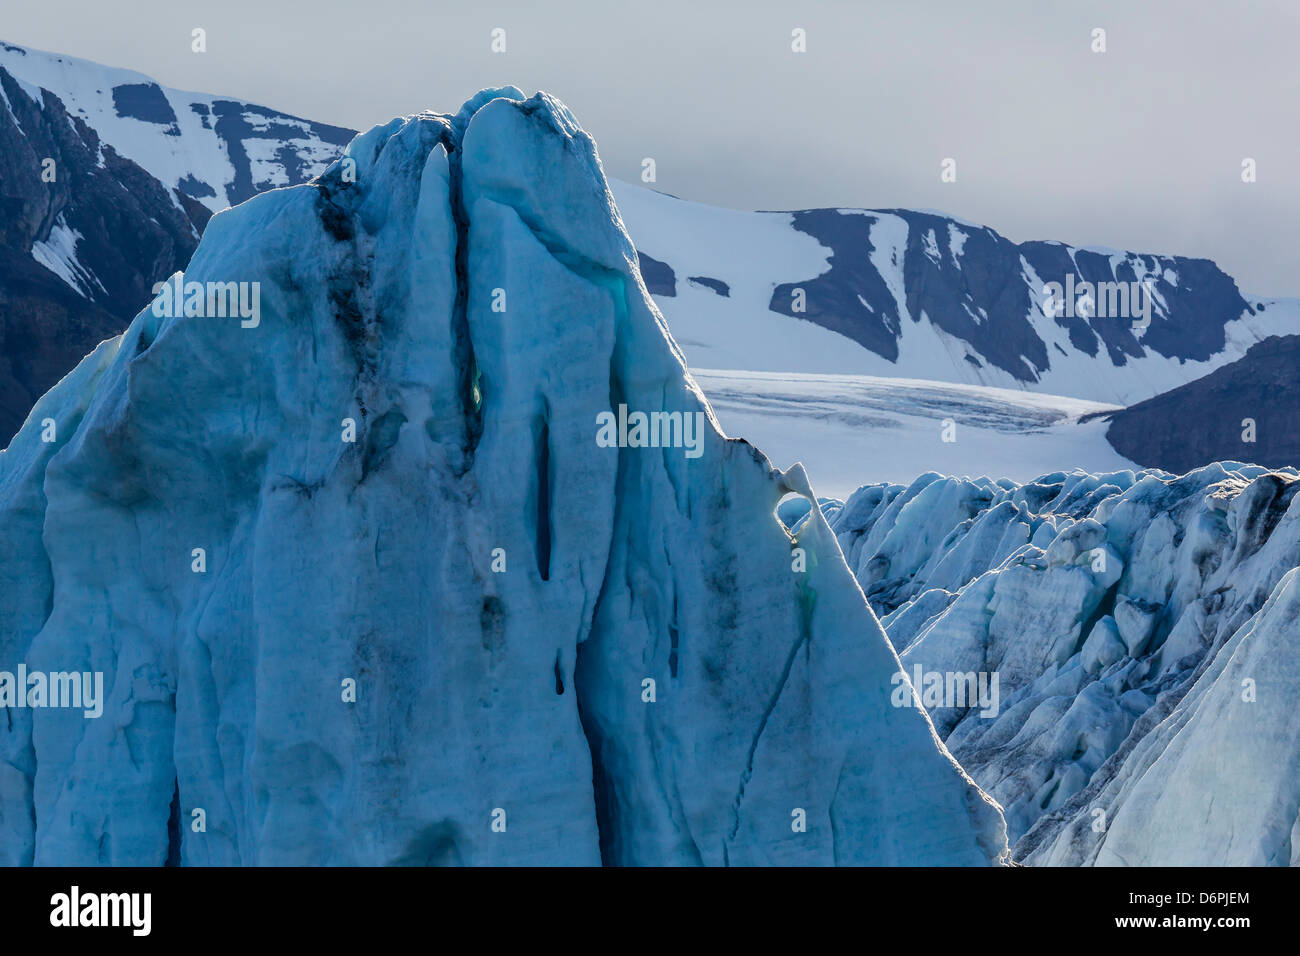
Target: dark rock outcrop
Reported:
point(1211, 418)
point(974, 285)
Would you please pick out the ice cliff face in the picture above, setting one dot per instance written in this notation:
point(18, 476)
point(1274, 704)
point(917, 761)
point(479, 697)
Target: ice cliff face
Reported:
point(1145, 634)
point(473, 634)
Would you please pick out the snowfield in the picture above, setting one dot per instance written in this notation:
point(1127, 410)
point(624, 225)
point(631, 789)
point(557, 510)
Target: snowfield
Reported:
point(851, 429)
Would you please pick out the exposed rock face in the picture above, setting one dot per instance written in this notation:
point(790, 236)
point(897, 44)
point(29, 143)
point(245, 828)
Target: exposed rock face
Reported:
point(1144, 636)
point(1244, 411)
point(561, 651)
point(986, 291)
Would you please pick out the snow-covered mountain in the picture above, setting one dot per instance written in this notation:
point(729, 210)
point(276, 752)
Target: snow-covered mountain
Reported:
point(895, 293)
point(215, 150)
point(1145, 635)
point(106, 182)
point(892, 294)
point(372, 576)
point(921, 295)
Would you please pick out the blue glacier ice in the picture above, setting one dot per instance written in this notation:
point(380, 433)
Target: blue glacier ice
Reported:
point(1145, 630)
point(472, 634)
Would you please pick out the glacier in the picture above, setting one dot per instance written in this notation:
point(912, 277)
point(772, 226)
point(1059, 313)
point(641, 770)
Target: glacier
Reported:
point(1145, 632)
point(836, 426)
point(364, 588)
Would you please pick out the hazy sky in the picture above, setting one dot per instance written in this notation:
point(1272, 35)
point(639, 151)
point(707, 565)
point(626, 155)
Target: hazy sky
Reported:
point(1139, 147)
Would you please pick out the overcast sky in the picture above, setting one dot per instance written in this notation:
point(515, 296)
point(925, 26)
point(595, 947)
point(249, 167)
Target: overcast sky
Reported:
point(1139, 147)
